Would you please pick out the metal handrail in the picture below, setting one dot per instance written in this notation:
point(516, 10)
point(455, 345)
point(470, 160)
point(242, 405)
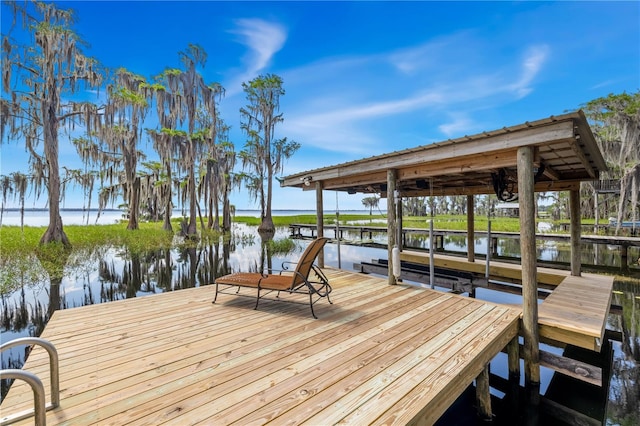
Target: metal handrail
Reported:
point(36, 384)
point(38, 398)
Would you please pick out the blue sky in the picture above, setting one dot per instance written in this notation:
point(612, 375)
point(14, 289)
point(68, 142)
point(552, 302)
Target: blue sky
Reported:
point(366, 78)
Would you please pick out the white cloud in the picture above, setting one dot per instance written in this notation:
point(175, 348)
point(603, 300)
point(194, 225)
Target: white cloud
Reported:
point(602, 84)
point(346, 138)
point(436, 54)
point(534, 59)
point(421, 92)
point(379, 109)
point(410, 60)
point(461, 124)
point(264, 39)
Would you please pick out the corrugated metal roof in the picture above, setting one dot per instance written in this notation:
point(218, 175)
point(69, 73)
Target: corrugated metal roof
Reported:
point(564, 144)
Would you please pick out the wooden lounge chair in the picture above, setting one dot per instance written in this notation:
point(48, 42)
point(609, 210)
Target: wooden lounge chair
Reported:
point(296, 281)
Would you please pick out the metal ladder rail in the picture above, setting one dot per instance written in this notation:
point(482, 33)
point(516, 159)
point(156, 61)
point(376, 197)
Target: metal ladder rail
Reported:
point(40, 407)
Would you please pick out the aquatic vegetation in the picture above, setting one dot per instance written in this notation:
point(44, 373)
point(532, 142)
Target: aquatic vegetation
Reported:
point(282, 246)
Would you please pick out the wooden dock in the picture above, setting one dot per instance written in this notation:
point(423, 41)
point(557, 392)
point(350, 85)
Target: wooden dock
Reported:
point(366, 233)
point(379, 354)
point(574, 313)
point(500, 271)
point(299, 230)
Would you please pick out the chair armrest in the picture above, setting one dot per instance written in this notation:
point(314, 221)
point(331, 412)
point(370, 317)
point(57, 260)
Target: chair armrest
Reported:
point(277, 272)
point(285, 263)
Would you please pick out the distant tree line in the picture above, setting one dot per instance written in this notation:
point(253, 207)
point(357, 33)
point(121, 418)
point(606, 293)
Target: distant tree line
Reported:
point(41, 99)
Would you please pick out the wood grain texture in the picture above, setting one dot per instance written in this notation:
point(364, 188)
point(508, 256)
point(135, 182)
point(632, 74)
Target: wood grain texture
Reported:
point(380, 353)
point(576, 312)
point(497, 270)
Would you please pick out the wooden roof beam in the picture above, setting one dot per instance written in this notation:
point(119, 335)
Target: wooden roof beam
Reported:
point(484, 189)
point(450, 150)
point(458, 166)
point(548, 170)
point(364, 179)
point(550, 173)
point(583, 159)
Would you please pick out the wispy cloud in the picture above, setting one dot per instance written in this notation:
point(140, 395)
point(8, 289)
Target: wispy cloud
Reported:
point(345, 137)
point(533, 60)
point(263, 39)
point(602, 84)
point(379, 109)
point(459, 125)
point(441, 81)
point(415, 59)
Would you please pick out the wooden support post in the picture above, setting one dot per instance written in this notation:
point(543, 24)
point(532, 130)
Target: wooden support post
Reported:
point(513, 353)
point(483, 395)
point(400, 234)
point(529, 272)
point(391, 221)
point(596, 212)
point(574, 208)
point(471, 238)
point(320, 220)
point(624, 258)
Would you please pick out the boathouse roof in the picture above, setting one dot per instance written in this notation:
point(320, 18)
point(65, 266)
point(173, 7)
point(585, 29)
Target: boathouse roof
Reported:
point(565, 154)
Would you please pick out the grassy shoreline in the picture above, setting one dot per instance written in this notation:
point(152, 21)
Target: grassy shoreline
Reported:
point(22, 258)
point(14, 240)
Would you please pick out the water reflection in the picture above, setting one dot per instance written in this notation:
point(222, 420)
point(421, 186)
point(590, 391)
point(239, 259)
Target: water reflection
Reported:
point(105, 274)
point(624, 394)
point(594, 257)
point(110, 273)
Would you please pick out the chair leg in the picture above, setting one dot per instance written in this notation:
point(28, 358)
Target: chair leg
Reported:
point(257, 299)
point(216, 295)
point(311, 306)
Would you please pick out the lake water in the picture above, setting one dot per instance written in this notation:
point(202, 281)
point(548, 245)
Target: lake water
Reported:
point(39, 217)
point(106, 274)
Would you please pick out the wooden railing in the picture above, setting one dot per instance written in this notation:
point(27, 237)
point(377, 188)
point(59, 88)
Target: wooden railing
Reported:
point(607, 185)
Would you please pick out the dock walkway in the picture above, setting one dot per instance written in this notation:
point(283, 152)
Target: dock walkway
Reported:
point(379, 354)
point(574, 313)
point(628, 261)
point(298, 230)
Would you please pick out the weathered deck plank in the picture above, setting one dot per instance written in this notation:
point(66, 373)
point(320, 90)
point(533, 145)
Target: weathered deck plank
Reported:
point(379, 352)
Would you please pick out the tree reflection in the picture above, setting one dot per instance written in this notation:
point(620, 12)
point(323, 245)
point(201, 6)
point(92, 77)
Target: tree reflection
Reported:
point(187, 267)
point(31, 314)
point(214, 263)
point(266, 254)
point(624, 406)
point(53, 260)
